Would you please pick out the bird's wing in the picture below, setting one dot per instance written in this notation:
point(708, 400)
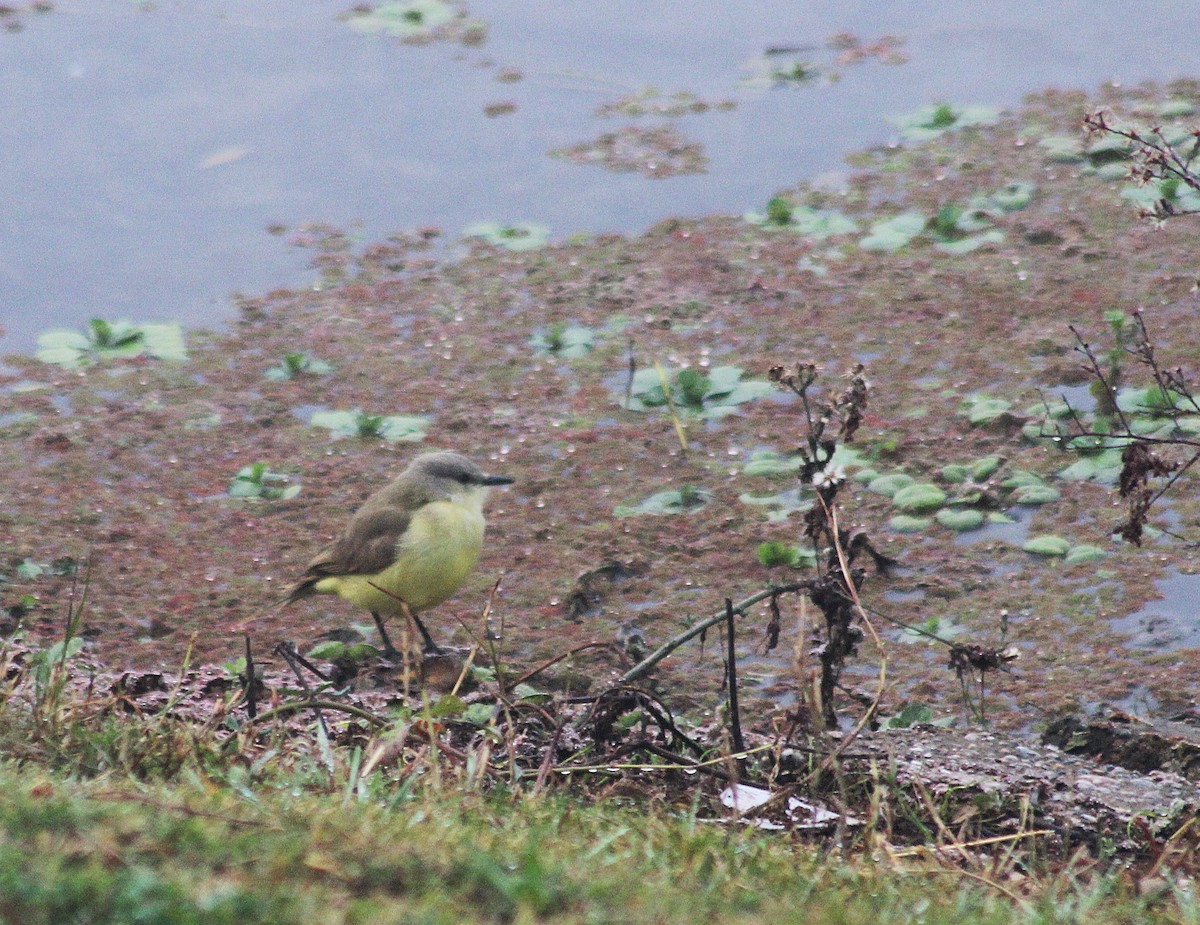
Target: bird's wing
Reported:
point(367, 547)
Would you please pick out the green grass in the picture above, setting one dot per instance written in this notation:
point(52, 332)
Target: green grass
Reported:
point(112, 850)
point(113, 813)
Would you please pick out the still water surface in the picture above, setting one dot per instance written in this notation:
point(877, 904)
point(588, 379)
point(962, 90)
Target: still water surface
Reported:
point(147, 147)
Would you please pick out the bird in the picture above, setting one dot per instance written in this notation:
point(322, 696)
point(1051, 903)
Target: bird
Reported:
point(410, 545)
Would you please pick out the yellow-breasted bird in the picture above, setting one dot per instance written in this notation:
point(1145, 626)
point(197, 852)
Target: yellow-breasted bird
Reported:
point(411, 544)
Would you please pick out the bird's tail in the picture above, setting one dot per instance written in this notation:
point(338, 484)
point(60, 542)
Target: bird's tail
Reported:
point(299, 591)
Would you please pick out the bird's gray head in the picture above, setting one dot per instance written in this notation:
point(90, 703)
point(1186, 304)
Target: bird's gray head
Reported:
point(451, 473)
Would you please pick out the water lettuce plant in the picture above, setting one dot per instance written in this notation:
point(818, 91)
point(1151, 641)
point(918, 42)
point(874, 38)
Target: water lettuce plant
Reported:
point(956, 230)
point(779, 68)
point(770, 463)
point(982, 409)
point(906, 523)
point(818, 224)
point(935, 119)
point(772, 554)
point(1047, 545)
point(257, 481)
point(409, 20)
point(1084, 552)
point(563, 340)
point(711, 393)
point(919, 498)
point(111, 340)
point(781, 504)
point(682, 500)
point(395, 428)
point(893, 233)
point(960, 519)
point(297, 364)
point(522, 236)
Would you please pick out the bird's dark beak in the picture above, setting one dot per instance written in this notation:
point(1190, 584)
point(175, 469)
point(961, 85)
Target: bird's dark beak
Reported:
point(496, 480)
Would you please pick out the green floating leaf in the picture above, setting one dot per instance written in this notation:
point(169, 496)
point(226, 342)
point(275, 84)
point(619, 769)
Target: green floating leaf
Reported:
point(893, 233)
point(1047, 545)
point(956, 230)
point(257, 481)
point(935, 119)
point(776, 68)
point(891, 483)
point(1034, 494)
point(1109, 149)
point(981, 410)
point(673, 501)
point(1176, 109)
point(401, 20)
point(404, 428)
point(297, 364)
point(1102, 467)
point(768, 462)
point(919, 499)
point(111, 340)
point(817, 224)
point(1019, 478)
point(983, 469)
point(783, 504)
point(396, 428)
point(1084, 553)
point(1179, 196)
point(773, 554)
point(1011, 198)
point(930, 628)
point(710, 393)
point(163, 342)
point(1090, 445)
point(955, 473)
point(847, 457)
point(1062, 149)
point(524, 236)
point(971, 243)
point(564, 340)
point(28, 569)
point(905, 523)
point(1152, 400)
point(1055, 410)
point(960, 519)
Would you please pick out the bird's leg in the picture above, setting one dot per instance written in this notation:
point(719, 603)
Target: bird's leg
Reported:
point(388, 649)
point(430, 645)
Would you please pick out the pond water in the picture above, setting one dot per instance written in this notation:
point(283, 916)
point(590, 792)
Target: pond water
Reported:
point(1172, 621)
point(148, 146)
